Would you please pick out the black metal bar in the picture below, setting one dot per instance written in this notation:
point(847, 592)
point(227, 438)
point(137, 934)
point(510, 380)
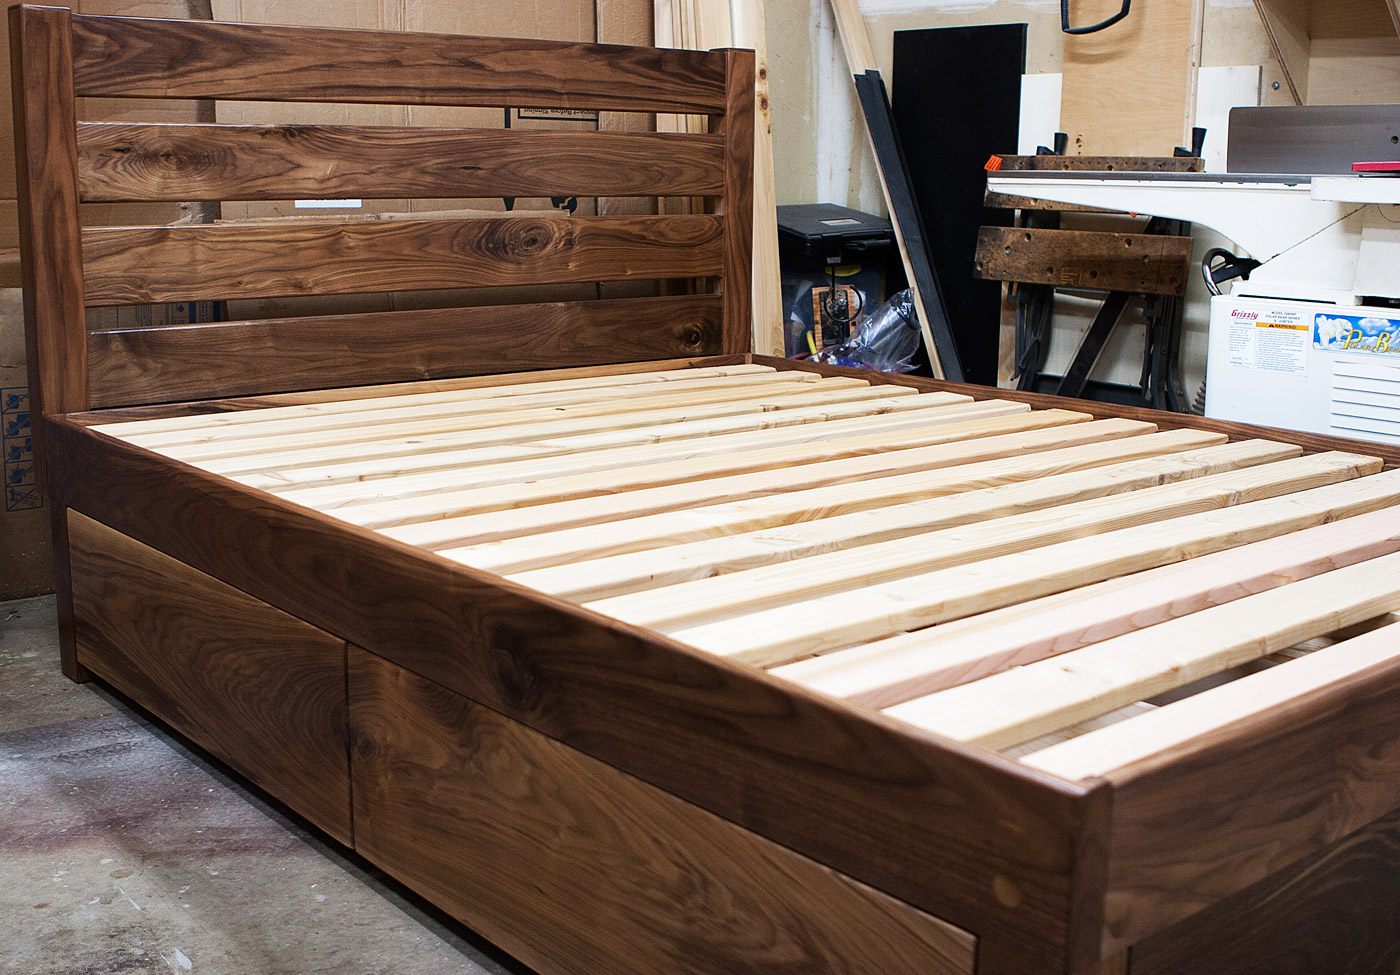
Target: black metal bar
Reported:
point(1077, 375)
point(875, 104)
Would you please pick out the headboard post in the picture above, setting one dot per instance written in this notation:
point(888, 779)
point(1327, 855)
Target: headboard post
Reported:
point(737, 127)
point(46, 168)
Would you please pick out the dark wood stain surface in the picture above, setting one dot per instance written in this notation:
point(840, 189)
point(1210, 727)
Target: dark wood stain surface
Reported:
point(1136, 263)
point(925, 820)
point(136, 58)
point(260, 689)
point(120, 161)
point(145, 265)
point(576, 867)
point(238, 358)
point(1335, 913)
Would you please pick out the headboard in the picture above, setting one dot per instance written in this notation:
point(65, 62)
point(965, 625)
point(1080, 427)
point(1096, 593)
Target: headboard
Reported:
point(58, 56)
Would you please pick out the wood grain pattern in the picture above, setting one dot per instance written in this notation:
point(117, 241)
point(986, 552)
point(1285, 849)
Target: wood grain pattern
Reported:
point(238, 358)
point(793, 766)
point(138, 58)
point(804, 466)
point(1203, 820)
point(283, 162)
point(1136, 263)
point(892, 671)
point(1389, 453)
point(262, 690)
point(822, 623)
point(1336, 911)
point(1027, 702)
point(144, 265)
point(575, 867)
point(1132, 164)
point(715, 595)
point(551, 540)
point(46, 171)
point(737, 126)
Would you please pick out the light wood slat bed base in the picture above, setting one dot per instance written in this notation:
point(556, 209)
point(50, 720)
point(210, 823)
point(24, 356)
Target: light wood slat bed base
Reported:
point(138, 58)
point(308, 417)
point(359, 430)
point(145, 365)
point(120, 161)
point(258, 260)
point(705, 602)
point(562, 533)
point(898, 669)
point(481, 431)
point(674, 484)
point(755, 450)
point(1099, 753)
point(1038, 698)
point(812, 626)
point(665, 438)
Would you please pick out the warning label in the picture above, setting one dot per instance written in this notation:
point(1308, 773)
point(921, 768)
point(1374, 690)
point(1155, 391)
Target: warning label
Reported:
point(1274, 340)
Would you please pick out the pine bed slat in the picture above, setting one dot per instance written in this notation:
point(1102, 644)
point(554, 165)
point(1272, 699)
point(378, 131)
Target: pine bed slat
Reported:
point(706, 599)
point(636, 396)
point(1099, 753)
point(665, 559)
point(736, 452)
point(557, 534)
point(582, 447)
point(515, 427)
point(811, 626)
point(888, 672)
point(492, 412)
point(1036, 699)
point(675, 484)
point(155, 431)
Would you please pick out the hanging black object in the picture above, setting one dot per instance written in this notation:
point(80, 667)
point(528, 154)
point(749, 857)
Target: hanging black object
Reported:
point(1064, 19)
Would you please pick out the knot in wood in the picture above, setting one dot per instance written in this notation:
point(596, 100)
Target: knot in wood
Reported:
point(514, 677)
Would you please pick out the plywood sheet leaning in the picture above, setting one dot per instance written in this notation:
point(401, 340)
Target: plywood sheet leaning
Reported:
point(1130, 90)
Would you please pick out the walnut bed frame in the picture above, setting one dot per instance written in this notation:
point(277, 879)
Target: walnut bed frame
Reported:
point(642, 654)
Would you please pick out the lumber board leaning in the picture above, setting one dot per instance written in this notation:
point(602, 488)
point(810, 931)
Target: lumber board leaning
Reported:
point(151, 365)
point(516, 829)
point(124, 161)
point(1039, 698)
point(148, 265)
point(810, 626)
point(1100, 752)
point(736, 204)
point(139, 58)
point(751, 450)
point(788, 764)
point(667, 558)
point(445, 517)
point(222, 667)
point(712, 597)
point(889, 672)
point(633, 530)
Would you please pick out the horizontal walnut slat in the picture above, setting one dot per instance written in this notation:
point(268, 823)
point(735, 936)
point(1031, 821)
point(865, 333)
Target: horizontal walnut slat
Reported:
point(139, 58)
point(119, 161)
point(147, 265)
point(238, 358)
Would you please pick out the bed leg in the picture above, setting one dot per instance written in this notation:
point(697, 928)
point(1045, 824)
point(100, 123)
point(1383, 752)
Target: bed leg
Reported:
point(63, 590)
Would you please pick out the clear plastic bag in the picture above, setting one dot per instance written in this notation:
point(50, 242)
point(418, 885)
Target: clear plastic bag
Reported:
point(886, 342)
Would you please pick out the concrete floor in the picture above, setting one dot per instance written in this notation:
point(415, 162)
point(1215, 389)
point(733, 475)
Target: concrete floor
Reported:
point(124, 849)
